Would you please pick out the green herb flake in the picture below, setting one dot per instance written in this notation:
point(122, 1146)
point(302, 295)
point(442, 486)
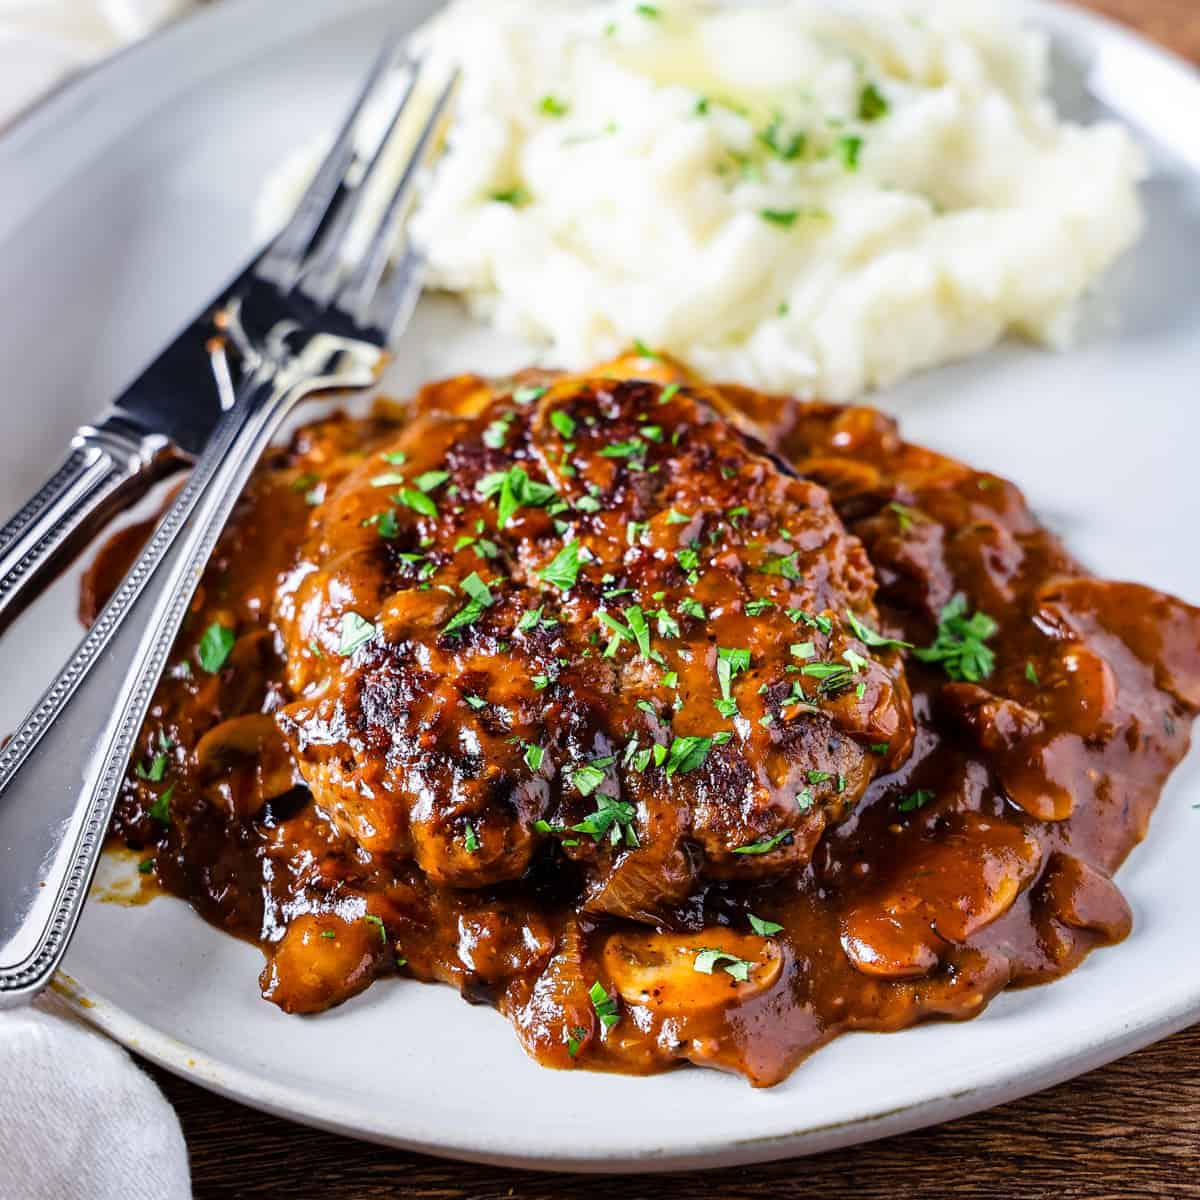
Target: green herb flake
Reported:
point(1032, 675)
point(869, 637)
point(215, 646)
point(563, 571)
point(706, 960)
point(372, 919)
point(959, 645)
point(872, 104)
point(563, 422)
point(552, 106)
point(784, 217)
point(417, 501)
point(914, 801)
point(761, 927)
point(431, 480)
point(533, 757)
point(470, 838)
point(355, 631)
point(517, 197)
point(604, 1004)
point(765, 845)
point(687, 754)
point(849, 149)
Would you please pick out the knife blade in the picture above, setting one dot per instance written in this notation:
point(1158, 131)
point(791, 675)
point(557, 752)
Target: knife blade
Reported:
point(155, 427)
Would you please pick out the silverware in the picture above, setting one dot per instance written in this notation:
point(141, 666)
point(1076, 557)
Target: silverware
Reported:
point(314, 314)
point(157, 426)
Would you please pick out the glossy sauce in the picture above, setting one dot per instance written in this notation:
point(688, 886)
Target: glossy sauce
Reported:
point(977, 858)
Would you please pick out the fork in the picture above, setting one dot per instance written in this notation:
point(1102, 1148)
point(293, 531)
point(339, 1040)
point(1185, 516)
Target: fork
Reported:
point(314, 315)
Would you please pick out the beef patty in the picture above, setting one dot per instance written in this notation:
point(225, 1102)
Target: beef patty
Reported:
point(586, 616)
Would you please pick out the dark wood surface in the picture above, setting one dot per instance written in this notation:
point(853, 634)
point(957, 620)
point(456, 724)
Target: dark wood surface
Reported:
point(1131, 1130)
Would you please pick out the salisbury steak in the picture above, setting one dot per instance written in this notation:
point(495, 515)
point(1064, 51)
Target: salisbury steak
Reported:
point(586, 613)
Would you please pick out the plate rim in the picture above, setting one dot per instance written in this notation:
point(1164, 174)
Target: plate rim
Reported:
point(1147, 1024)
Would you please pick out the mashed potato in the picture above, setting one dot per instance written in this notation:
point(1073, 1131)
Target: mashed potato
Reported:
point(797, 195)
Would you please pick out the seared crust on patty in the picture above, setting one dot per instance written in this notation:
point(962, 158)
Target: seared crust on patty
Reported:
point(589, 613)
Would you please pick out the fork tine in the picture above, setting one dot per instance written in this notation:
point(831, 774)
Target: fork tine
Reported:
point(324, 267)
point(282, 261)
point(357, 296)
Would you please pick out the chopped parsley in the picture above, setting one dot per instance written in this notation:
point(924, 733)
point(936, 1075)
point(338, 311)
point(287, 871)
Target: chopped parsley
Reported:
point(527, 395)
point(388, 479)
point(687, 754)
point(417, 501)
point(515, 490)
point(586, 779)
point(872, 104)
point(563, 422)
point(552, 106)
point(1032, 675)
point(730, 663)
point(396, 457)
point(786, 217)
point(533, 757)
point(478, 703)
point(517, 197)
point(849, 149)
point(355, 631)
point(480, 598)
point(765, 845)
point(495, 435)
point(604, 1004)
point(431, 480)
point(959, 645)
point(666, 395)
point(650, 11)
point(157, 769)
point(372, 919)
point(160, 810)
point(761, 927)
point(914, 801)
point(470, 838)
point(706, 960)
point(784, 565)
point(869, 637)
point(215, 645)
point(692, 608)
point(563, 571)
point(145, 866)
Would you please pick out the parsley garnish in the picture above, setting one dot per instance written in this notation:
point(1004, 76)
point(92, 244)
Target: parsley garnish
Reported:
point(764, 845)
point(849, 148)
point(515, 196)
point(215, 646)
point(784, 565)
point(869, 637)
point(372, 919)
point(872, 104)
point(761, 927)
point(431, 480)
point(564, 570)
point(516, 490)
point(553, 107)
point(417, 501)
point(665, 396)
point(780, 216)
point(692, 608)
point(563, 422)
point(687, 754)
point(533, 757)
point(604, 1004)
point(480, 598)
point(706, 960)
point(917, 799)
point(355, 632)
point(1032, 675)
point(160, 810)
point(959, 645)
point(470, 838)
point(730, 663)
point(527, 395)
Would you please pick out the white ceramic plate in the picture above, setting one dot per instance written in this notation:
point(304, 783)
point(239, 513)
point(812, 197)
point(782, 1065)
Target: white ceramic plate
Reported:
point(127, 200)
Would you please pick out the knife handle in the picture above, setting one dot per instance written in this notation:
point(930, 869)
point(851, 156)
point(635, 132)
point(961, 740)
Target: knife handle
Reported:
point(110, 465)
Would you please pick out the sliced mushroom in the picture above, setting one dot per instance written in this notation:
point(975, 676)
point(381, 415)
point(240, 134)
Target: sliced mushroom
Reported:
point(952, 887)
point(321, 961)
point(688, 974)
point(248, 760)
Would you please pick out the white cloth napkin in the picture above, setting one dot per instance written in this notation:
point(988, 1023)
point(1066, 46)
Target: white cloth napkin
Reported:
point(78, 1121)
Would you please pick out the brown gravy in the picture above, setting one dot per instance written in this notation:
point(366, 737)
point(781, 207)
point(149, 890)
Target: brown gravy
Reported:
point(983, 861)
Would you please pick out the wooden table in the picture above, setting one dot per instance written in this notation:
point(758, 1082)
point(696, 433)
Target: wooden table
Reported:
point(1129, 1130)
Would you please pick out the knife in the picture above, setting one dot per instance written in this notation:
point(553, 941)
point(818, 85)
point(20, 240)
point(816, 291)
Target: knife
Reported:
point(157, 426)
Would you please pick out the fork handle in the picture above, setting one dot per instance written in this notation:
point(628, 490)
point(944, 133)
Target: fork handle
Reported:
point(62, 769)
point(110, 465)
